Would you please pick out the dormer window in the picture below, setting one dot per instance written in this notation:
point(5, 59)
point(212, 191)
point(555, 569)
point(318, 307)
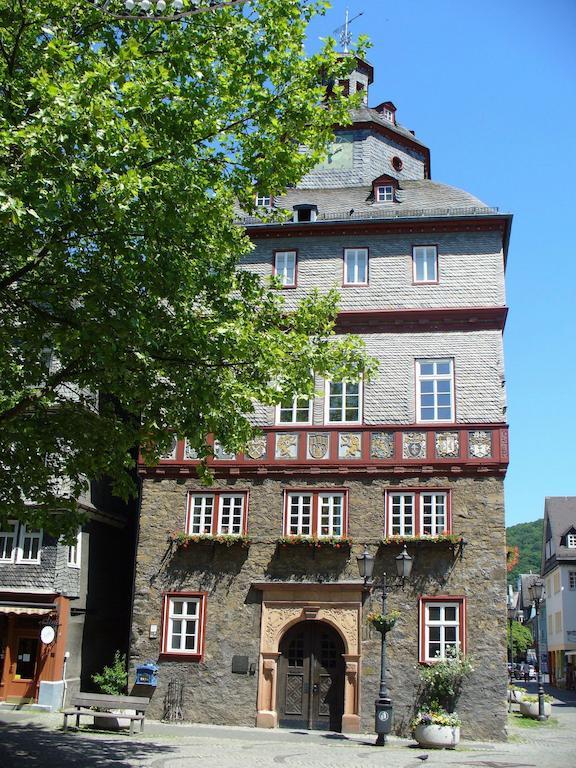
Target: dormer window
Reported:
point(305, 212)
point(388, 111)
point(571, 541)
point(384, 189)
point(263, 201)
point(388, 115)
point(385, 194)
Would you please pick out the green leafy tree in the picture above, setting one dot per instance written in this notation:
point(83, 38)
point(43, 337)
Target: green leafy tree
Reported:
point(528, 538)
point(125, 147)
point(114, 678)
point(521, 639)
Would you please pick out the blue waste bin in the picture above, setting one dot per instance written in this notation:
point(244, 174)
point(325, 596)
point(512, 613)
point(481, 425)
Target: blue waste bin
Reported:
point(147, 674)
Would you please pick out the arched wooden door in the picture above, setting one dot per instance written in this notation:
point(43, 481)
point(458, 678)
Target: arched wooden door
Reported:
point(311, 677)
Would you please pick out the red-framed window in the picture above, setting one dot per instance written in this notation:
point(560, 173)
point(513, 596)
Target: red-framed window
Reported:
point(420, 512)
point(442, 626)
point(183, 624)
point(355, 266)
point(316, 513)
point(217, 514)
point(425, 263)
point(286, 267)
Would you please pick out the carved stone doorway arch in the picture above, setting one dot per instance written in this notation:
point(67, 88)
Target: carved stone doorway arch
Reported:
point(287, 603)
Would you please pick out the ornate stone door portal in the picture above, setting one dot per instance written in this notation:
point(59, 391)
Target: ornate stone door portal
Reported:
point(310, 655)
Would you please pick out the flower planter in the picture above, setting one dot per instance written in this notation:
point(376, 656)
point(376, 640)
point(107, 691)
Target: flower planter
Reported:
point(530, 708)
point(515, 697)
point(437, 736)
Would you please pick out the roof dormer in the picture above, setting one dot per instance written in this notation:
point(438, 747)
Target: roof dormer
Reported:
point(384, 189)
point(388, 111)
point(305, 212)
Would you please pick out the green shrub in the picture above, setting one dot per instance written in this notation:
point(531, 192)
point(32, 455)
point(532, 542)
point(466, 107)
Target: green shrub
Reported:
point(113, 679)
point(442, 680)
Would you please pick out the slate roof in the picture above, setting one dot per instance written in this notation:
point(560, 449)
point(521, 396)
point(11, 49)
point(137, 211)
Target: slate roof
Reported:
point(366, 114)
point(561, 513)
point(414, 198)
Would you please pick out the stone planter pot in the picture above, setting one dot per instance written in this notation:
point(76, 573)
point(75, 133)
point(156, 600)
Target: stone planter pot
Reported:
point(113, 721)
point(530, 708)
point(437, 736)
point(515, 697)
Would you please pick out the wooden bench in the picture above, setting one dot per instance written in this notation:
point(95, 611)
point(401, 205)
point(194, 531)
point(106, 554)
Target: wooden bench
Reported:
point(82, 702)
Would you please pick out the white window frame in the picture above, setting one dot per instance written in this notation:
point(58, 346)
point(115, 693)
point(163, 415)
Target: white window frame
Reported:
point(343, 408)
point(315, 513)
point(75, 552)
point(436, 378)
point(571, 541)
point(285, 267)
point(31, 537)
point(7, 536)
point(387, 114)
point(195, 619)
point(443, 624)
point(227, 512)
point(427, 257)
point(571, 579)
point(438, 511)
point(353, 258)
point(384, 193)
point(263, 201)
point(330, 514)
point(398, 509)
point(297, 512)
point(292, 411)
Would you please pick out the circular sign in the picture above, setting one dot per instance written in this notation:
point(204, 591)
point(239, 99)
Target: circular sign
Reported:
point(47, 635)
point(383, 716)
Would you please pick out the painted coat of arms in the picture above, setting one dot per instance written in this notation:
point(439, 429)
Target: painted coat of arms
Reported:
point(318, 446)
point(480, 444)
point(256, 448)
point(414, 445)
point(349, 446)
point(447, 444)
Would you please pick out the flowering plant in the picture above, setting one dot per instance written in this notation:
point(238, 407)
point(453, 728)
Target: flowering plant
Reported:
point(336, 542)
point(443, 679)
point(184, 540)
point(436, 717)
point(533, 698)
point(442, 538)
point(383, 622)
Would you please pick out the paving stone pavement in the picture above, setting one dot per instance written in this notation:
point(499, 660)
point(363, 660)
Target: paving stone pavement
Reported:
point(35, 740)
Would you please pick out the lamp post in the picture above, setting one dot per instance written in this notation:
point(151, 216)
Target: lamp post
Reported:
point(383, 704)
point(536, 591)
point(511, 616)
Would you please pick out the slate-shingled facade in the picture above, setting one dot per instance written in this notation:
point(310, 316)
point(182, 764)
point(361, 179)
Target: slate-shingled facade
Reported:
point(275, 633)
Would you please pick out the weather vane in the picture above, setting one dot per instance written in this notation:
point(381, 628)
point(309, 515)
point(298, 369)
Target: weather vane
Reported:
point(159, 10)
point(343, 32)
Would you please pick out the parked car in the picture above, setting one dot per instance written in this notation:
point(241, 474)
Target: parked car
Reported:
point(525, 671)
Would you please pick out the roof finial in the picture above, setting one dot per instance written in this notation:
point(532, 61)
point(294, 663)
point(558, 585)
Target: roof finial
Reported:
point(343, 32)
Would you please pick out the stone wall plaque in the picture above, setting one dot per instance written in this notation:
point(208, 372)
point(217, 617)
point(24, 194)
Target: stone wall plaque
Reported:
point(382, 445)
point(414, 445)
point(318, 445)
point(287, 445)
point(480, 444)
point(221, 454)
point(447, 444)
point(350, 445)
point(256, 448)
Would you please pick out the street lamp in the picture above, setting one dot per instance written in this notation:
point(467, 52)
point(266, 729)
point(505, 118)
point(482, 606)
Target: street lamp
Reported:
point(511, 616)
point(383, 704)
point(536, 592)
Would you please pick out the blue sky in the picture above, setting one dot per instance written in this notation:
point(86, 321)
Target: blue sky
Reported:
point(491, 89)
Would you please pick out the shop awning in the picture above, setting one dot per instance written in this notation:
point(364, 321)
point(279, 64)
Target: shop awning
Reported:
point(26, 610)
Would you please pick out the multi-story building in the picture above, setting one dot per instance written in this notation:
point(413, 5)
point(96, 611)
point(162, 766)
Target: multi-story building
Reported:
point(559, 572)
point(272, 629)
point(63, 609)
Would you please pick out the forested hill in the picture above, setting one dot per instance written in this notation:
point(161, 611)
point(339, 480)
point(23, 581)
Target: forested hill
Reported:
point(528, 538)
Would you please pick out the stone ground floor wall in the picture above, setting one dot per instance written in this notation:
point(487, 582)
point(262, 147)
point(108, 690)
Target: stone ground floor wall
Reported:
point(213, 693)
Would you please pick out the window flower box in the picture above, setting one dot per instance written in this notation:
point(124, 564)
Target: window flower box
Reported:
point(453, 539)
point(185, 540)
point(316, 542)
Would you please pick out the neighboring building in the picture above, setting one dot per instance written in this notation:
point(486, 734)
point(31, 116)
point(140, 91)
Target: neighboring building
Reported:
point(274, 632)
point(559, 572)
point(81, 592)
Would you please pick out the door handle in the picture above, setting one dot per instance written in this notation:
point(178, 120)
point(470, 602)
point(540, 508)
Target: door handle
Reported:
point(315, 689)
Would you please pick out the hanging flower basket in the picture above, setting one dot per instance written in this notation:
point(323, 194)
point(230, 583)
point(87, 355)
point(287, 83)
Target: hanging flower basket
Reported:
point(185, 540)
point(383, 622)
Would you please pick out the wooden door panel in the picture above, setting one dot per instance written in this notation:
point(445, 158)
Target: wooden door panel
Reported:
point(294, 701)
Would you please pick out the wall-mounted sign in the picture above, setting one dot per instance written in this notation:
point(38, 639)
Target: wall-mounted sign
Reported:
point(47, 635)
